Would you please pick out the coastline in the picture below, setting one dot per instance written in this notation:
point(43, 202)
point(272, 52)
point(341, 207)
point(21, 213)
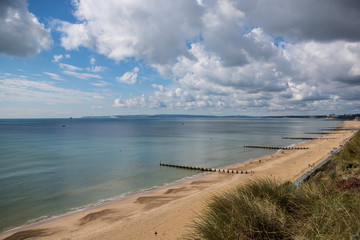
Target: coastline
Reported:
point(170, 209)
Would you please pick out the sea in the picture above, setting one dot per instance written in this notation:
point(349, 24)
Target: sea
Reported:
point(52, 166)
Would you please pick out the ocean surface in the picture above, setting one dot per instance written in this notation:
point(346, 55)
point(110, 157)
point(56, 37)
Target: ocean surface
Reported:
point(51, 166)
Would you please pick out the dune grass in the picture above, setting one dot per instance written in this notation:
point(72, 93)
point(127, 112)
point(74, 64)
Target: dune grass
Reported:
point(325, 207)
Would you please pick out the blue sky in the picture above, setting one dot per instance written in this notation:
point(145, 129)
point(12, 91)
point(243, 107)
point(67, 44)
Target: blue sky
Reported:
point(86, 57)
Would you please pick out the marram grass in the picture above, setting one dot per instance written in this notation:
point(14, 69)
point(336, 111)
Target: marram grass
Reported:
point(267, 209)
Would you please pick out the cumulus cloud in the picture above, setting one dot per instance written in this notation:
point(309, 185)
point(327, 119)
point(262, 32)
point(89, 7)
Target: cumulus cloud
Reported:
point(173, 99)
point(180, 99)
point(223, 54)
point(155, 30)
point(332, 67)
point(21, 34)
point(205, 67)
point(298, 78)
point(321, 20)
point(129, 77)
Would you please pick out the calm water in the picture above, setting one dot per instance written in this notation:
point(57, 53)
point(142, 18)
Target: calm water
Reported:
point(49, 166)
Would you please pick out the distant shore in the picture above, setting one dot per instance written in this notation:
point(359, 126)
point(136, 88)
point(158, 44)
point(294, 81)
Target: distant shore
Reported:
point(170, 210)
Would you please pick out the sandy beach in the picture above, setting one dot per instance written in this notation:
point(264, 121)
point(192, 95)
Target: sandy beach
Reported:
point(170, 210)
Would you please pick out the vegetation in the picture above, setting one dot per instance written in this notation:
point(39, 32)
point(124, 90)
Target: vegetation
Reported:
point(325, 207)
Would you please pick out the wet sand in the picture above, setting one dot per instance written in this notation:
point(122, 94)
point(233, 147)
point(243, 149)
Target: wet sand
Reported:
point(170, 210)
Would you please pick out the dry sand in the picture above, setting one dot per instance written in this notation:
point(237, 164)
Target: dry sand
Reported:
point(170, 210)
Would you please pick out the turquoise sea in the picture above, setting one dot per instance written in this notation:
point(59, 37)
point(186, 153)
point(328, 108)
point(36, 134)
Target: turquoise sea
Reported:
point(51, 166)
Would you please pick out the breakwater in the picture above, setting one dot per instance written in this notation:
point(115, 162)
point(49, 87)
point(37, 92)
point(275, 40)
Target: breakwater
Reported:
point(307, 138)
point(206, 169)
point(277, 148)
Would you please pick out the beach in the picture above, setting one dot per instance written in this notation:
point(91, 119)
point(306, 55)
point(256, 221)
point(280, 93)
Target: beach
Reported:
point(169, 210)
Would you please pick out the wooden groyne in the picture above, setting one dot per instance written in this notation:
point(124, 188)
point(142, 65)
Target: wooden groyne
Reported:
point(340, 129)
point(306, 138)
point(300, 138)
point(277, 148)
point(320, 133)
point(206, 169)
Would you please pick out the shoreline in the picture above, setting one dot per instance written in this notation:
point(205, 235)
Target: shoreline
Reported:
point(101, 203)
point(169, 209)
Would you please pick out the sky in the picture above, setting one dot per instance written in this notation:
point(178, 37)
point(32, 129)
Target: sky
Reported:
point(77, 58)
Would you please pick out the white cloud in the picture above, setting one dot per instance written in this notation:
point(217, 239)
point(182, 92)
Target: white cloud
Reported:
point(226, 54)
point(304, 92)
point(23, 90)
point(81, 38)
point(230, 11)
point(329, 66)
point(128, 77)
point(101, 83)
point(121, 29)
point(206, 72)
point(57, 58)
point(54, 76)
point(138, 102)
point(21, 34)
point(69, 67)
point(81, 75)
point(296, 80)
point(96, 69)
point(171, 99)
point(78, 72)
point(92, 61)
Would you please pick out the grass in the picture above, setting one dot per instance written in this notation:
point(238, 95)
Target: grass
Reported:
point(325, 207)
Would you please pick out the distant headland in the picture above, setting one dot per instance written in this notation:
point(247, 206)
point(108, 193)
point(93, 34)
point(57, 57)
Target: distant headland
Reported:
point(330, 116)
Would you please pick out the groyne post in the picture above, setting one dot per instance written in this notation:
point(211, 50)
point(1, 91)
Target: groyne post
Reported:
point(204, 169)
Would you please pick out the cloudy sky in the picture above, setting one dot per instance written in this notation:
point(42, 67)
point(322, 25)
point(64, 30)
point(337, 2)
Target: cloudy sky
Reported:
point(64, 58)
